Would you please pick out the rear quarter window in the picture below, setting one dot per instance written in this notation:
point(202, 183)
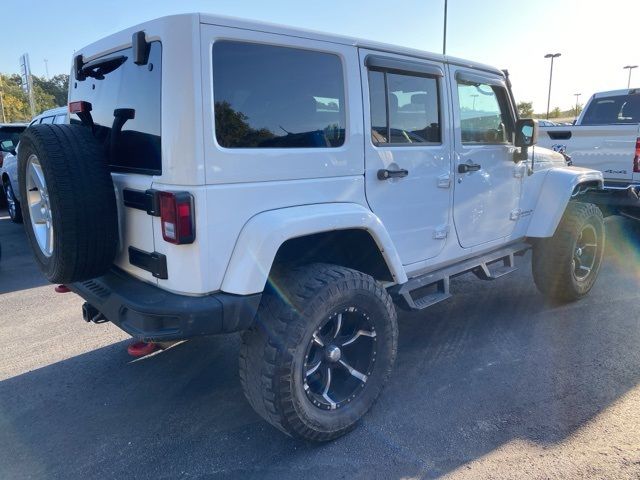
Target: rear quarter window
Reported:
point(137, 147)
point(613, 110)
point(277, 97)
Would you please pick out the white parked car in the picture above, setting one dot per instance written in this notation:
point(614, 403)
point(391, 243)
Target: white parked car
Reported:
point(231, 176)
point(606, 137)
point(9, 165)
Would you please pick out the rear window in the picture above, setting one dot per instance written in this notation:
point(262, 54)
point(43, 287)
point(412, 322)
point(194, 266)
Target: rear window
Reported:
point(9, 137)
point(137, 146)
point(277, 97)
point(613, 110)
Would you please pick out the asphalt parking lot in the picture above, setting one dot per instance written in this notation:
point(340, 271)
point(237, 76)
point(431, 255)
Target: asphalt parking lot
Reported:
point(494, 383)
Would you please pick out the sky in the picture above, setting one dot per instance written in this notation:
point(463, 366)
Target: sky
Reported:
point(596, 38)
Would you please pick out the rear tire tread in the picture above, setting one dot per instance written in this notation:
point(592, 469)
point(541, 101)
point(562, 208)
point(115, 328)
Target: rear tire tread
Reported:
point(277, 331)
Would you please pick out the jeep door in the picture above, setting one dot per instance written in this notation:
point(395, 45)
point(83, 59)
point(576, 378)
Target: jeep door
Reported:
point(407, 159)
point(488, 183)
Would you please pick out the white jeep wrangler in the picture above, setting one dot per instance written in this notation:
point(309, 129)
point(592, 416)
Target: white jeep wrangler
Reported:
point(221, 175)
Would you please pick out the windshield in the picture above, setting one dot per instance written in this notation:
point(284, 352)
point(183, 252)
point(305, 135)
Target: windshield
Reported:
point(9, 137)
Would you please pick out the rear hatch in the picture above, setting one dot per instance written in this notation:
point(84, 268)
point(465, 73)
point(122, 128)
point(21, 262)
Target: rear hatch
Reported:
point(114, 82)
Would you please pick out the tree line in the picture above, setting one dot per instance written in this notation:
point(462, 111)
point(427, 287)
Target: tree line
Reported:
point(52, 92)
point(525, 110)
point(48, 93)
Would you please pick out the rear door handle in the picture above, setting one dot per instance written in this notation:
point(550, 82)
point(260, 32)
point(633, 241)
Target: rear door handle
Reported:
point(468, 167)
point(384, 174)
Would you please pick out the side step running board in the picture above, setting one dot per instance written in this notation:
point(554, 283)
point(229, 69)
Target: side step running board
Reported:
point(485, 271)
point(433, 287)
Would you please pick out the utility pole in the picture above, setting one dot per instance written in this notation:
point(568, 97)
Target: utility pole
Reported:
point(577, 95)
point(4, 118)
point(46, 67)
point(629, 67)
point(551, 56)
point(27, 82)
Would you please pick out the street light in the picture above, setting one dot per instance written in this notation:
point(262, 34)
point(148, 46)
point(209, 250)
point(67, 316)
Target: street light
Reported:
point(577, 95)
point(474, 95)
point(630, 67)
point(551, 56)
point(444, 34)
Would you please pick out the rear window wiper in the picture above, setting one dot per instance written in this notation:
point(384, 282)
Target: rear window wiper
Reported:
point(100, 67)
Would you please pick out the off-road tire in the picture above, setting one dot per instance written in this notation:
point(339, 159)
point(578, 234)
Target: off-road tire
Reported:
point(81, 197)
point(273, 350)
point(553, 258)
point(15, 214)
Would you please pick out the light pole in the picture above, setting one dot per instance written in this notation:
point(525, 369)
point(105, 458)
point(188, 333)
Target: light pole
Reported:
point(577, 95)
point(551, 56)
point(444, 35)
point(629, 67)
point(474, 95)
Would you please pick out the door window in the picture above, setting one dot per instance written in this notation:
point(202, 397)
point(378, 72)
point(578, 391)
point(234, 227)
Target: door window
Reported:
point(404, 109)
point(484, 117)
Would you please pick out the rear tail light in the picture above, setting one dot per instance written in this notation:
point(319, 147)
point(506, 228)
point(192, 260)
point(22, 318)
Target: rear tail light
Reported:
point(79, 107)
point(177, 217)
point(636, 159)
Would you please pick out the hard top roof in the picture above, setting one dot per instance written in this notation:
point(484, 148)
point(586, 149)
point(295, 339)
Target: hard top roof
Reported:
point(220, 20)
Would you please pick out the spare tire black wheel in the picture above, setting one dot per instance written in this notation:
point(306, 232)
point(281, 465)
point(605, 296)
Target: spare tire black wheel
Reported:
point(68, 202)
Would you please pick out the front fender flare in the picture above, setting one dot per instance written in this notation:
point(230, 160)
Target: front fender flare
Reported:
point(557, 189)
point(263, 234)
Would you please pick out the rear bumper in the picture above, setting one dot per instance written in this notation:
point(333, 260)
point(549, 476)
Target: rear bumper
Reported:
point(149, 313)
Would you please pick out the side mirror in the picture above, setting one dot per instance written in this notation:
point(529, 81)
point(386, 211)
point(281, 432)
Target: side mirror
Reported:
point(526, 132)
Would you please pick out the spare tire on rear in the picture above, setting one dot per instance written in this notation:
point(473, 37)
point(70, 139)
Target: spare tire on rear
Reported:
point(68, 202)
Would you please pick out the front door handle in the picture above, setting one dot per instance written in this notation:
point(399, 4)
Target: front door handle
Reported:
point(468, 167)
point(384, 174)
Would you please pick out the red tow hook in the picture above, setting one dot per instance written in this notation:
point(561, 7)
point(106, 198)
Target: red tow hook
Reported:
point(142, 349)
point(62, 289)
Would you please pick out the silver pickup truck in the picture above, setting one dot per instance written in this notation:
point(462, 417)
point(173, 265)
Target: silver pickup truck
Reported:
point(606, 137)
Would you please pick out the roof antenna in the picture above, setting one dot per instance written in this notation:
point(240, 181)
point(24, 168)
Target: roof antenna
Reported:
point(444, 36)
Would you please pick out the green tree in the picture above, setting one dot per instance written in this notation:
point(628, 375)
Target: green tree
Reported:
point(56, 86)
point(43, 99)
point(233, 129)
point(577, 109)
point(47, 93)
point(525, 109)
point(555, 113)
point(15, 102)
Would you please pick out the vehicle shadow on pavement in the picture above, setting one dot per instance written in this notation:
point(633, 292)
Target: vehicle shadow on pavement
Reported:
point(492, 365)
point(18, 271)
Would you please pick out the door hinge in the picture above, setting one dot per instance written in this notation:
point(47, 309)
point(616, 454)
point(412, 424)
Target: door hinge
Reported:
point(444, 180)
point(441, 232)
point(515, 214)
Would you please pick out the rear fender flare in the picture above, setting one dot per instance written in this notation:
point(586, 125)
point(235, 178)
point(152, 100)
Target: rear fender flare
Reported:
point(263, 234)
